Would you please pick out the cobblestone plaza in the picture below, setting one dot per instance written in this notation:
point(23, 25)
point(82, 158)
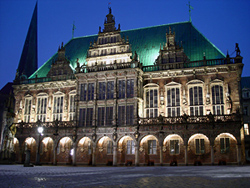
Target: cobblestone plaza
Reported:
point(180, 176)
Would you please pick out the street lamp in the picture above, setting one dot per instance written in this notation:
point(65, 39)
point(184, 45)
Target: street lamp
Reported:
point(40, 131)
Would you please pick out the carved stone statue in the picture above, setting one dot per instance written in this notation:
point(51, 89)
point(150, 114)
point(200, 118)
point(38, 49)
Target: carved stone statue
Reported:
point(237, 49)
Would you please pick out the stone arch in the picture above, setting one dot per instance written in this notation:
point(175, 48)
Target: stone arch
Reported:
point(225, 149)
point(149, 151)
point(84, 151)
point(126, 150)
point(173, 149)
point(30, 144)
point(104, 151)
point(199, 149)
point(46, 150)
point(64, 149)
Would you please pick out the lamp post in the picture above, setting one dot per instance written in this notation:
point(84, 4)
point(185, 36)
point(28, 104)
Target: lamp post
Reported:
point(40, 131)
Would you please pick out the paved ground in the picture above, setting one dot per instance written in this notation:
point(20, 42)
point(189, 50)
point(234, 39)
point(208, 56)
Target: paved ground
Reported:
point(67, 176)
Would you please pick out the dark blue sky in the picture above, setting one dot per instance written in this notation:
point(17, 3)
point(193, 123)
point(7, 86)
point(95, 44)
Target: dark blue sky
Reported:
point(223, 22)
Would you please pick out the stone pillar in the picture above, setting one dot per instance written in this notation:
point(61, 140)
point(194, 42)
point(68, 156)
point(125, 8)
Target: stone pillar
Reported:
point(238, 153)
point(38, 152)
point(74, 155)
point(186, 155)
point(93, 155)
point(55, 155)
point(161, 156)
point(136, 154)
point(212, 154)
point(114, 155)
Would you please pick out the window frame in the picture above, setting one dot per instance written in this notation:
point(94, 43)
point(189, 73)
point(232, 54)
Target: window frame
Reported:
point(43, 107)
point(220, 106)
point(152, 150)
point(61, 108)
point(201, 146)
point(224, 144)
point(200, 107)
point(174, 141)
point(177, 108)
point(27, 108)
point(147, 109)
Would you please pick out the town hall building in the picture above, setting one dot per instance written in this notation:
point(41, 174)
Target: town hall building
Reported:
point(161, 95)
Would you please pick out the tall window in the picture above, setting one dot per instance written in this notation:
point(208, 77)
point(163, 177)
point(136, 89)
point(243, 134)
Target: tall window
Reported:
point(121, 87)
point(130, 147)
point(110, 147)
point(41, 108)
point(110, 90)
point(100, 117)
point(109, 116)
point(58, 108)
point(173, 102)
point(246, 129)
point(91, 91)
point(224, 145)
point(121, 115)
point(174, 147)
point(129, 115)
point(82, 114)
point(102, 90)
point(200, 146)
point(89, 117)
point(217, 100)
point(151, 103)
point(27, 110)
point(130, 88)
point(83, 92)
point(72, 107)
point(152, 147)
point(196, 101)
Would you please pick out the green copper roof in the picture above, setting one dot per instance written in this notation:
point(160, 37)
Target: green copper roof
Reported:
point(146, 42)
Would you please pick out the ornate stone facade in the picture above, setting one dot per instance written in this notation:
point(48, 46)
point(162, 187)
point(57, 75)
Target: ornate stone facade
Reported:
point(114, 111)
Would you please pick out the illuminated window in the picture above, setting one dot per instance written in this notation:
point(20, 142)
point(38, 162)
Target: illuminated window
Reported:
point(27, 109)
point(173, 102)
point(196, 101)
point(82, 117)
point(110, 90)
point(151, 103)
point(174, 147)
point(130, 88)
point(200, 146)
point(89, 117)
point(130, 147)
point(58, 108)
point(42, 107)
point(121, 87)
point(72, 108)
point(217, 100)
point(102, 90)
point(151, 146)
point(109, 116)
point(121, 115)
point(110, 147)
point(83, 92)
point(100, 117)
point(129, 115)
point(91, 91)
point(224, 145)
point(246, 129)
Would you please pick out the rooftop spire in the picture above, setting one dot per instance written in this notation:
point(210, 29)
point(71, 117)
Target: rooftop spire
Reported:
point(190, 8)
point(28, 61)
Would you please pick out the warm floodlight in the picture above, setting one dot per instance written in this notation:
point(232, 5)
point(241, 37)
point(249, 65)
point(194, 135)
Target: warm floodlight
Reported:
point(40, 130)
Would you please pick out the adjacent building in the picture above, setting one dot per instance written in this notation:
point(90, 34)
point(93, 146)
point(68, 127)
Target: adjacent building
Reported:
point(161, 95)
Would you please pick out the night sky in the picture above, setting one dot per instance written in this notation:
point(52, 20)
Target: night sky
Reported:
point(223, 22)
